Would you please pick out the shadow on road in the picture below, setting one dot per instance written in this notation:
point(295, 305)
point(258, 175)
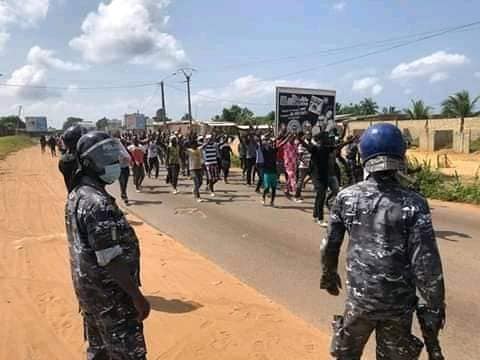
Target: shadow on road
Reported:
point(446, 234)
point(172, 306)
point(144, 202)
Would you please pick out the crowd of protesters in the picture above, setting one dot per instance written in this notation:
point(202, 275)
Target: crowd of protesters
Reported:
point(268, 163)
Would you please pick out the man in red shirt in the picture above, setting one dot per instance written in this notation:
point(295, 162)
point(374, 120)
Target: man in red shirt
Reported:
point(138, 155)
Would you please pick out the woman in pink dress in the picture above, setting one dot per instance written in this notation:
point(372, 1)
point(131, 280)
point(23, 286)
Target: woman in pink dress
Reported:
point(290, 159)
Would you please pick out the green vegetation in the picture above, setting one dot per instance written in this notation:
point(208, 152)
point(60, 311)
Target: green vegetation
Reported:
point(475, 145)
point(433, 184)
point(366, 107)
point(459, 105)
point(9, 144)
point(418, 110)
point(244, 116)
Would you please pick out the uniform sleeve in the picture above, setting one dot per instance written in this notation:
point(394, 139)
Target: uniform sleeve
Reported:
point(425, 259)
point(102, 233)
point(330, 248)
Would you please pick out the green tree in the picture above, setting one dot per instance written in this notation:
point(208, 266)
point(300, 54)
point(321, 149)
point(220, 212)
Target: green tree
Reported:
point(390, 110)
point(12, 121)
point(102, 124)
point(268, 119)
point(352, 109)
point(235, 114)
point(418, 110)
point(185, 117)
point(459, 105)
point(368, 107)
point(71, 121)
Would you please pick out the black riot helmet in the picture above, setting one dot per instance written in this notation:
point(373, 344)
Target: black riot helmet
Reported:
point(97, 151)
point(72, 135)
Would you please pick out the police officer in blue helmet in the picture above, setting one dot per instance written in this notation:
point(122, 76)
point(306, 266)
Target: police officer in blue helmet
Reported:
point(392, 256)
point(104, 255)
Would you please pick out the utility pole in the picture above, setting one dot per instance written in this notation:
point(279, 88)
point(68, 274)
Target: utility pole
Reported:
point(188, 72)
point(164, 111)
point(18, 118)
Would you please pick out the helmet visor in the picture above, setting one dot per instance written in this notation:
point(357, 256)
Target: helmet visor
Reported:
point(104, 153)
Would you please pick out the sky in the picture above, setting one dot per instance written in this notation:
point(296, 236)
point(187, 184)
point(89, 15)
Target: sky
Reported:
point(96, 58)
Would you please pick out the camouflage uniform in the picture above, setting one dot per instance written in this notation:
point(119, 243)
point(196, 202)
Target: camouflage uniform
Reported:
point(392, 252)
point(98, 232)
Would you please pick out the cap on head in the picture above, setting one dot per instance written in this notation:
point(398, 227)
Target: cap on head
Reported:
point(382, 148)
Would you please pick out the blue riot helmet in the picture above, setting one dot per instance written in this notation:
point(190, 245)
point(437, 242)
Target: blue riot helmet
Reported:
point(382, 148)
point(98, 153)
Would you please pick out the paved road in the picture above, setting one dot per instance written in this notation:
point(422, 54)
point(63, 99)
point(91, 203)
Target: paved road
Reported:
point(276, 250)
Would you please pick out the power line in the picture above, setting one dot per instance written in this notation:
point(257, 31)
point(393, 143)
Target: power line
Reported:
point(342, 61)
point(429, 35)
point(335, 51)
point(107, 87)
point(216, 99)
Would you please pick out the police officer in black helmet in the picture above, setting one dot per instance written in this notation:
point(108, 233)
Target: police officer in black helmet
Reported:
point(104, 256)
point(68, 162)
point(391, 254)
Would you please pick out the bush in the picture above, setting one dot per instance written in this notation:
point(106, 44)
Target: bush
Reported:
point(433, 184)
point(475, 145)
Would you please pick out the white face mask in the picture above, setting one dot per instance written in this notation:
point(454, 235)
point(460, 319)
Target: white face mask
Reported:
point(112, 173)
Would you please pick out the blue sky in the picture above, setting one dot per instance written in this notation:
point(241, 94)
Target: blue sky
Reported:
point(241, 50)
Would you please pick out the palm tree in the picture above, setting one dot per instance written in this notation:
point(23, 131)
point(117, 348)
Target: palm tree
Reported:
point(418, 110)
point(368, 107)
point(459, 105)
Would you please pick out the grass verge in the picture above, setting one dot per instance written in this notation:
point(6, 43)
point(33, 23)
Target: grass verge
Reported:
point(433, 184)
point(9, 144)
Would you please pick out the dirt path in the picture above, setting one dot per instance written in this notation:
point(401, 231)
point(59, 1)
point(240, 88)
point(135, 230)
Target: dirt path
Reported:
point(200, 312)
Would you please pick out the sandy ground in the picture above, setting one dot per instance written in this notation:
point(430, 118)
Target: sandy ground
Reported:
point(199, 311)
point(449, 163)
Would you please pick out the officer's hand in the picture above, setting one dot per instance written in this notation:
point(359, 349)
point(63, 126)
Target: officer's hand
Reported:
point(331, 283)
point(143, 307)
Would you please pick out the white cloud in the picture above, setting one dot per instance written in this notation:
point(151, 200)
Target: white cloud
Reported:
point(377, 89)
point(438, 76)
point(339, 6)
point(477, 74)
point(408, 91)
point(26, 13)
point(129, 30)
point(45, 58)
point(428, 65)
point(248, 89)
point(34, 75)
point(367, 84)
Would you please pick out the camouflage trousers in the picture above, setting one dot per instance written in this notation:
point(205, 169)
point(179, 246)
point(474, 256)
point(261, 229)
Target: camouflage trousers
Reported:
point(114, 340)
point(393, 336)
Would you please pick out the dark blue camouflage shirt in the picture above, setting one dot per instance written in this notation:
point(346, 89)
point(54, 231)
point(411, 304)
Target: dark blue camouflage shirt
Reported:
point(392, 250)
point(98, 233)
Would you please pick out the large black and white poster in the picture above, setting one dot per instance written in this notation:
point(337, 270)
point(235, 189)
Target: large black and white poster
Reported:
point(304, 109)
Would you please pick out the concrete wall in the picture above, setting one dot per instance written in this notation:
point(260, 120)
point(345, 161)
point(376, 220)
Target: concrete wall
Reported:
point(425, 131)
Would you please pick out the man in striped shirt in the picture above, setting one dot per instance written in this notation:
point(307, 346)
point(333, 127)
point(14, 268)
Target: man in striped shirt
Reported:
point(304, 157)
point(210, 159)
